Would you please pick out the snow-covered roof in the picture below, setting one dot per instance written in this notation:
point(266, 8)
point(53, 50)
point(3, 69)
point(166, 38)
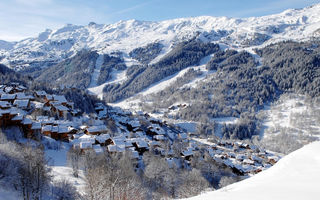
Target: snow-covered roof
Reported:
point(187, 152)
point(116, 148)
point(8, 96)
point(18, 117)
point(134, 123)
point(49, 97)
point(47, 128)
point(14, 111)
point(41, 118)
point(102, 138)
point(157, 129)
point(141, 143)
point(36, 126)
point(87, 138)
point(63, 129)
point(99, 128)
point(40, 93)
point(26, 121)
point(159, 137)
point(21, 103)
point(5, 104)
point(8, 89)
point(60, 98)
point(22, 95)
point(62, 108)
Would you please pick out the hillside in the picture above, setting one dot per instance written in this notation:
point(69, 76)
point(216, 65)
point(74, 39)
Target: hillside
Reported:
point(295, 176)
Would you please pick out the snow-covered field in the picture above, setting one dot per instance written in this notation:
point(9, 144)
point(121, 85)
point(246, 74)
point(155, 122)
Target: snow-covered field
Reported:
point(293, 114)
point(60, 169)
point(296, 176)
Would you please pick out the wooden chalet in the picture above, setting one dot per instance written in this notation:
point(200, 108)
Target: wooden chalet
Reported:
point(8, 97)
point(60, 99)
point(7, 115)
point(103, 139)
point(46, 130)
point(187, 154)
point(140, 145)
point(5, 105)
point(54, 132)
point(17, 120)
point(40, 94)
point(96, 130)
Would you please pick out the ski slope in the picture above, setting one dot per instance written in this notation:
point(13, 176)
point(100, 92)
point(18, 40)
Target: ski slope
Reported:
point(296, 176)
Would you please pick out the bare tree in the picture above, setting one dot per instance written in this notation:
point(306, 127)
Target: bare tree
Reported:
point(74, 155)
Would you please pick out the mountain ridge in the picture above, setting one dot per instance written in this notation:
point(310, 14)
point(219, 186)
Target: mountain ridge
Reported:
point(124, 36)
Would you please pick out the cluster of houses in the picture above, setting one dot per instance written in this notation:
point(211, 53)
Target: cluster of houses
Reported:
point(40, 114)
point(241, 157)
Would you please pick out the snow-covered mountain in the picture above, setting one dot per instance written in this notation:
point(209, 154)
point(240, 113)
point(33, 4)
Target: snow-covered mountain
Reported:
point(52, 46)
point(296, 176)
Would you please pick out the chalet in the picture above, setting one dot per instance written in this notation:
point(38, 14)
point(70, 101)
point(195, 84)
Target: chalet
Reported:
point(46, 130)
point(187, 154)
point(141, 145)
point(155, 129)
point(40, 94)
point(20, 88)
point(63, 132)
point(8, 97)
point(27, 122)
point(7, 115)
point(9, 89)
point(17, 120)
point(116, 148)
point(45, 120)
point(96, 130)
point(36, 129)
point(62, 110)
point(5, 105)
point(22, 104)
point(102, 139)
point(60, 99)
point(85, 142)
point(159, 137)
point(273, 159)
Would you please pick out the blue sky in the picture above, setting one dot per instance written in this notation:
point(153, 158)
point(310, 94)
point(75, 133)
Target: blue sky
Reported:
point(25, 18)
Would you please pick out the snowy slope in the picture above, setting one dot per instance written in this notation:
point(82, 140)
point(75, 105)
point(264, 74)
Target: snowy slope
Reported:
point(296, 176)
point(124, 36)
